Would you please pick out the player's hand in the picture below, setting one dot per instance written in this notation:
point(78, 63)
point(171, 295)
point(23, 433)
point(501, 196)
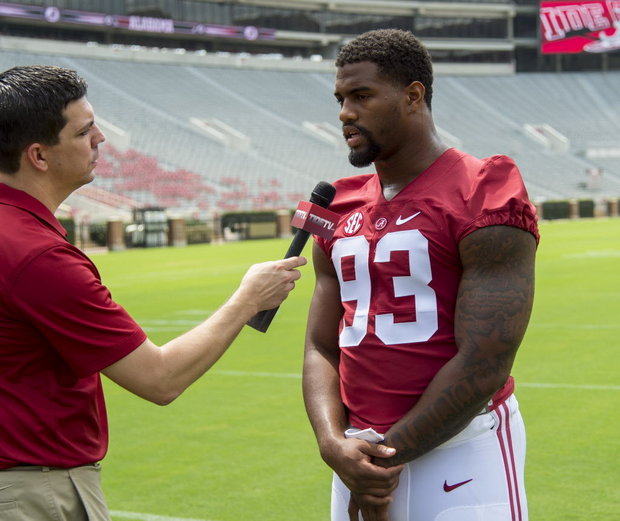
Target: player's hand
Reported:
point(267, 284)
point(351, 459)
point(368, 507)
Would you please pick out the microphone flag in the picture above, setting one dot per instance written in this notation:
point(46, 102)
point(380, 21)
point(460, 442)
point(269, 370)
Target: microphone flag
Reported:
point(310, 217)
point(315, 219)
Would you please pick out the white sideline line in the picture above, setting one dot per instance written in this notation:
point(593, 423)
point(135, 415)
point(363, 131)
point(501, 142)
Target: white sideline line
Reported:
point(588, 387)
point(576, 326)
point(258, 373)
point(137, 516)
point(163, 325)
point(571, 386)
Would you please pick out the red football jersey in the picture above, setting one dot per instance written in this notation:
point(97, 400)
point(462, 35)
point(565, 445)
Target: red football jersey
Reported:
point(399, 270)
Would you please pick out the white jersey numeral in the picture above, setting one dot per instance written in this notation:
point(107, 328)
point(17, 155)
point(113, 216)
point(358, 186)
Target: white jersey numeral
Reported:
point(415, 284)
point(357, 289)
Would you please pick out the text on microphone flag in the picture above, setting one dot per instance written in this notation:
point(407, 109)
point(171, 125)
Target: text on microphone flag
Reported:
point(315, 219)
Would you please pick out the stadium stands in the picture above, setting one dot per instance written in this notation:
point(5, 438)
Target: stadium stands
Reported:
point(174, 162)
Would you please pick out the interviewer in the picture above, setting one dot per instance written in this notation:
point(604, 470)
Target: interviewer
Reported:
point(60, 328)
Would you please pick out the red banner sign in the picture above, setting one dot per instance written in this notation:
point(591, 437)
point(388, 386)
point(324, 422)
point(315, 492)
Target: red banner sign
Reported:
point(575, 27)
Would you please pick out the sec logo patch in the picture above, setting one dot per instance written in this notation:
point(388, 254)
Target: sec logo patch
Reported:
point(354, 223)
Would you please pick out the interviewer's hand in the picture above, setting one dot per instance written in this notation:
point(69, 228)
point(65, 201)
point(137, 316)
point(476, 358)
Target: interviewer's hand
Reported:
point(267, 284)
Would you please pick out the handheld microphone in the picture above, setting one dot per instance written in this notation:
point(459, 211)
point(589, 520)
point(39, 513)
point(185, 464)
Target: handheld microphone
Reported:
point(310, 217)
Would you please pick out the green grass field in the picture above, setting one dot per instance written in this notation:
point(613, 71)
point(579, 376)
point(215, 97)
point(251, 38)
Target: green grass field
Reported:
point(237, 445)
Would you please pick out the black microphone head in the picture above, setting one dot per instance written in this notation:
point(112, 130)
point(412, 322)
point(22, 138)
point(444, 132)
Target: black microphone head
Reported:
point(323, 194)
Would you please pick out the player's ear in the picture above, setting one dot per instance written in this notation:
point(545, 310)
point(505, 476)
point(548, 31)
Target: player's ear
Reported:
point(415, 95)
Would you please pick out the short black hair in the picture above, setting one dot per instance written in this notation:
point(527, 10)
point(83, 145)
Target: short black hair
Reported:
point(400, 56)
point(32, 101)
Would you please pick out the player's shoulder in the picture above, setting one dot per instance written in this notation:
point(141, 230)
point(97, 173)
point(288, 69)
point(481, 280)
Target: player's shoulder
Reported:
point(500, 170)
point(494, 172)
point(498, 162)
point(354, 191)
point(485, 165)
point(352, 183)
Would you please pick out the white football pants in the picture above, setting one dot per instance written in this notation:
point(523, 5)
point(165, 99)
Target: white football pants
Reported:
point(475, 476)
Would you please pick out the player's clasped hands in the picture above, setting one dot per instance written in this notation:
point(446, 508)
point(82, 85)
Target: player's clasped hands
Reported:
point(371, 486)
point(267, 284)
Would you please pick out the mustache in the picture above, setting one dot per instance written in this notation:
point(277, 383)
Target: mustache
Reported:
point(362, 130)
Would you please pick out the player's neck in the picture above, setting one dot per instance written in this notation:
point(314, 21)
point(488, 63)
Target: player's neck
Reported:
point(399, 170)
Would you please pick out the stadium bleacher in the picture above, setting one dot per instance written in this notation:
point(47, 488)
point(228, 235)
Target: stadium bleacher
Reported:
point(172, 162)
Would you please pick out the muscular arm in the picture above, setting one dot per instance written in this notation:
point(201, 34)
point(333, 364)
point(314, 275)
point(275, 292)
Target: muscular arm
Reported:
point(492, 311)
point(349, 458)
point(321, 381)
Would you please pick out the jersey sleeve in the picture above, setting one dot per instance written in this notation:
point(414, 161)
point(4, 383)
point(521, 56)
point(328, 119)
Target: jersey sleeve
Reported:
point(61, 295)
point(321, 243)
point(351, 193)
point(498, 196)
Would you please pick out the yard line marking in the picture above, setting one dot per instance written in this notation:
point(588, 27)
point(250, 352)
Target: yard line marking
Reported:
point(137, 516)
point(593, 254)
point(575, 326)
point(258, 373)
point(164, 329)
point(180, 322)
point(571, 386)
point(188, 323)
point(264, 374)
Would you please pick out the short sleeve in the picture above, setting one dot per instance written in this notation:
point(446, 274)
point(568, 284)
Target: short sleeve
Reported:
point(321, 243)
point(498, 197)
point(61, 295)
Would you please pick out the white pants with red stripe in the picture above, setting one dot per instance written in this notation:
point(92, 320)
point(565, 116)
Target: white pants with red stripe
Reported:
point(475, 476)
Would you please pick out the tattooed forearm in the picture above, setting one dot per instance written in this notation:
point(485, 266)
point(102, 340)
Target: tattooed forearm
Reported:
point(441, 420)
point(493, 308)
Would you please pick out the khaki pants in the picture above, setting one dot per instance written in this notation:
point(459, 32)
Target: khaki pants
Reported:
point(49, 494)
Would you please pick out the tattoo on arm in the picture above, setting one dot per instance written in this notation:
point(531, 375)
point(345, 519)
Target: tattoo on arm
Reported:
point(493, 308)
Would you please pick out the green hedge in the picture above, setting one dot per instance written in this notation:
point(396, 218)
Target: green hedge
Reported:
point(586, 208)
point(562, 209)
point(68, 224)
point(556, 210)
point(98, 233)
point(235, 220)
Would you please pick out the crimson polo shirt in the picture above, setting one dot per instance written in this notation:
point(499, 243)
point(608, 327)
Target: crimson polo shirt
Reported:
point(58, 328)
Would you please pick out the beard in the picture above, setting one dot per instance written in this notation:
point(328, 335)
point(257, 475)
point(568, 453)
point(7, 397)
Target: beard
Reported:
point(366, 155)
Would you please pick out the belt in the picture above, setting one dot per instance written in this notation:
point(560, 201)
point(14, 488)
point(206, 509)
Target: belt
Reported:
point(31, 468)
point(486, 410)
point(42, 468)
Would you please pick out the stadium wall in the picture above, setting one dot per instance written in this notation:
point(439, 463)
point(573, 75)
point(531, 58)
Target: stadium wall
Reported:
point(118, 234)
point(156, 55)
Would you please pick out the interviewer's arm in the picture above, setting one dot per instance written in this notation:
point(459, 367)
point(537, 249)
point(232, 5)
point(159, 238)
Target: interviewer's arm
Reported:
point(160, 374)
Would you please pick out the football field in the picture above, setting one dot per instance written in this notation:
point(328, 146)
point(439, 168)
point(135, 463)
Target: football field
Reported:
point(237, 444)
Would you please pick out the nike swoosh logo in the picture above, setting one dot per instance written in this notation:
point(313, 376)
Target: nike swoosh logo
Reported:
point(400, 219)
point(450, 488)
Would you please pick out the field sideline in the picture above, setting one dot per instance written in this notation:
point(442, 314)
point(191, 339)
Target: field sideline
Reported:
point(237, 445)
